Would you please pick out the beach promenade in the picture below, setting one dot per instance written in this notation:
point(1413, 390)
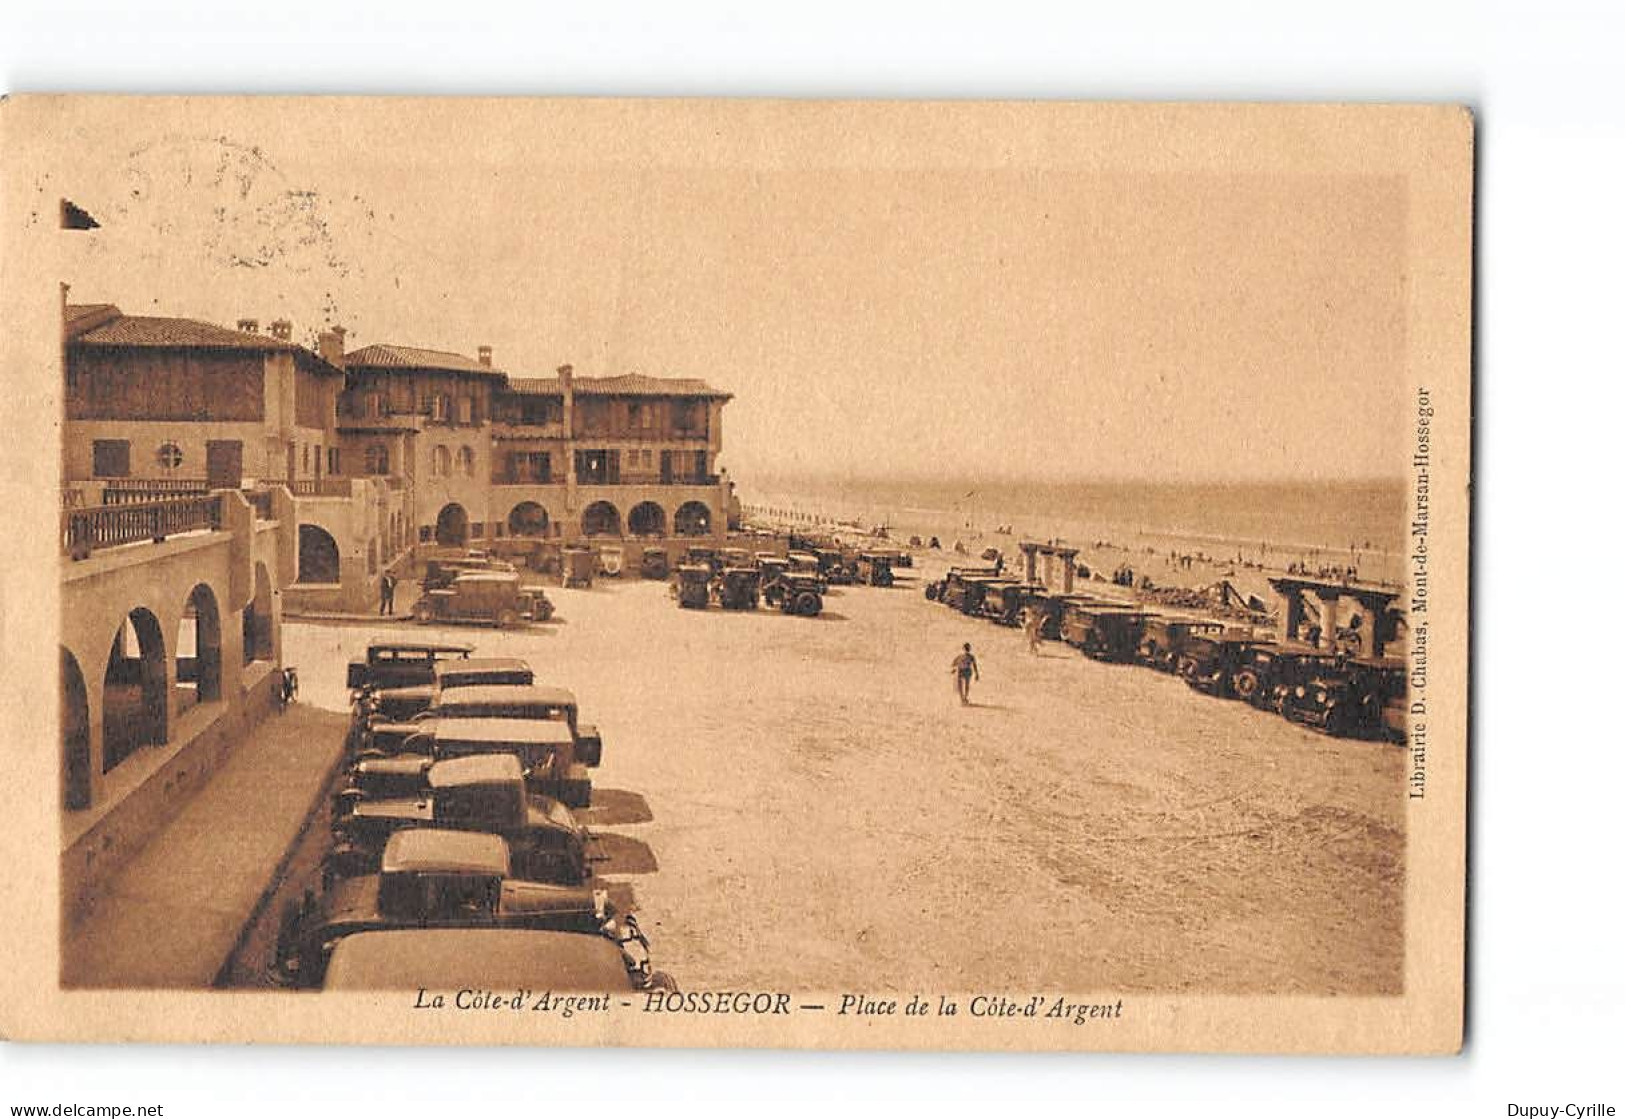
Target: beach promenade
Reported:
point(823, 813)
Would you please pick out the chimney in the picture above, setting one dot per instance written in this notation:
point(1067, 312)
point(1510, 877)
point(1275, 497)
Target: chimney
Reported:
point(566, 372)
point(485, 356)
point(282, 330)
point(249, 326)
point(330, 345)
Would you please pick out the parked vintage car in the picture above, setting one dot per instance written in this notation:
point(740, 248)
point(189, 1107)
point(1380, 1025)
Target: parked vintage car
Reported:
point(800, 594)
point(655, 564)
point(485, 959)
point(835, 567)
point(874, 568)
point(692, 587)
point(486, 597)
point(399, 664)
point(482, 793)
point(1007, 602)
point(545, 749)
point(397, 705)
point(438, 573)
point(1101, 630)
point(611, 559)
point(436, 878)
point(1166, 637)
point(772, 570)
point(738, 588)
point(577, 565)
point(1360, 698)
point(700, 555)
point(1210, 660)
point(950, 589)
point(510, 701)
point(1269, 671)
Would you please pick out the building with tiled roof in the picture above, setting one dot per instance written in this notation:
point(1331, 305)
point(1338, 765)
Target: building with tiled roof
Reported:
point(178, 400)
point(628, 458)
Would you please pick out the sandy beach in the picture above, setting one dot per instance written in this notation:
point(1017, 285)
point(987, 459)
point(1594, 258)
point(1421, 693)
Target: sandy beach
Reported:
point(824, 815)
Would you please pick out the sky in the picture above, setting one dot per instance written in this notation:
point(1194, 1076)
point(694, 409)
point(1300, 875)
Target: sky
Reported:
point(935, 305)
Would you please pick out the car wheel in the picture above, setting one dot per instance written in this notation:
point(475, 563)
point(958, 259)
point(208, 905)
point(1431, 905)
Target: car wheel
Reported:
point(808, 604)
point(1246, 684)
point(507, 619)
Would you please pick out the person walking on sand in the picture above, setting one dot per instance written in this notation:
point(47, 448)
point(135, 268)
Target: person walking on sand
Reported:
point(386, 594)
point(964, 669)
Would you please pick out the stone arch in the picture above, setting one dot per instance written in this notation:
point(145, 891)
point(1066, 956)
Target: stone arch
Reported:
point(601, 518)
point(527, 519)
point(693, 518)
point(76, 763)
point(197, 647)
point(257, 624)
point(135, 690)
point(451, 526)
point(647, 518)
point(318, 555)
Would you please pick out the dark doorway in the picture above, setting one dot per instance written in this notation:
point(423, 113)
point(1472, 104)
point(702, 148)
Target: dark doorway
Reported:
point(451, 527)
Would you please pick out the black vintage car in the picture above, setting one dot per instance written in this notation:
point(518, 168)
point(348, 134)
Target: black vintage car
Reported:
point(401, 664)
point(738, 588)
point(874, 569)
point(1362, 698)
point(539, 961)
point(520, 701)
point(396, 705)
point(835, 567)
point(1166, 638)
point(1103, 631)
point(439, 573)
point(773, 569)
point(950, 589)
point(691, 586)
point(1272, 671)
point(545, 748)
point(655, 564)
point(1210, 661)
point(483, 793)
point(433, 878)
point(1006, 602)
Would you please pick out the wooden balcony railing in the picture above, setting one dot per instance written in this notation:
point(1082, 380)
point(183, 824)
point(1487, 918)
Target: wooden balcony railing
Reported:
point(136, 491)
point(108, 526)
point(319, 487)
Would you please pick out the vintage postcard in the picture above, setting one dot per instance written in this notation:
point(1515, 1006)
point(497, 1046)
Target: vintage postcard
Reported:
point(736, 573)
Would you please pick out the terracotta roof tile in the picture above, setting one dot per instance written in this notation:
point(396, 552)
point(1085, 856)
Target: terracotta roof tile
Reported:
point(386, 356)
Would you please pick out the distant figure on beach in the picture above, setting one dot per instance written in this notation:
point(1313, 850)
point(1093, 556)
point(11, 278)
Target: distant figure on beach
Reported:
point(964, 670)
point(1034, 626)
point(935, 543)
point(386, 594)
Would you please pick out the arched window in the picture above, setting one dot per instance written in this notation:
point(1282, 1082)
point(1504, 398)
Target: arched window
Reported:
point(601, 519)
point(693, 519)
point(465, 461)
point(377, 459)
point(527, 519)
point(318, 556)
point(442, 460)
point(646, 519)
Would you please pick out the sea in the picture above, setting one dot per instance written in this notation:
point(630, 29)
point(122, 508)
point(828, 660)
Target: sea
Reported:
point(1359, 524)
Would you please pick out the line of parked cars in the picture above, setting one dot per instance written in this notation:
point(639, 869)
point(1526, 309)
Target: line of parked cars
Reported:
point(455, 822)
point(796, 583)
point(1339, 694)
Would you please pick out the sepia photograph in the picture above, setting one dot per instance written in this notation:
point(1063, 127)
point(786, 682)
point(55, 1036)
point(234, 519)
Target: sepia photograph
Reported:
point(817, 574)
